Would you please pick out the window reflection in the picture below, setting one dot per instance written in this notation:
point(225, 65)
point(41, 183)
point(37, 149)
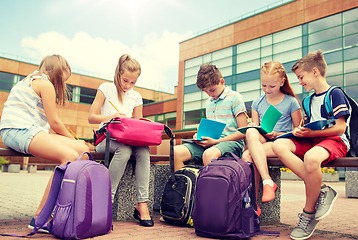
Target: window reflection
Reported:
point(325, 35)
point(324, 23)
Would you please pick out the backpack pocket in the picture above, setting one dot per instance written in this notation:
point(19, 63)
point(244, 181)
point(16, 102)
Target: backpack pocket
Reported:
point(60, 220)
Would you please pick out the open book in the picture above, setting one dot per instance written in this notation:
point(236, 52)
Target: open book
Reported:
point(208, 128)
point(316, 125)
point(268, 121)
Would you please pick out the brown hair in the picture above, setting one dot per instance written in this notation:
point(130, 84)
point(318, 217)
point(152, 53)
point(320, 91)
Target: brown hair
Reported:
point(54, 67)
point(208, 75)
point(271, 68)
point(125, 62)
point(310, 61)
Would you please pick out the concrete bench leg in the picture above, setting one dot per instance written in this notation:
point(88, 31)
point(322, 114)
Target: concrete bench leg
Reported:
point(125, 199)
point(11, 168)
point(5, 167)
point(162, 174)
point(31, 168)
point(271, 211)
point(351, 184)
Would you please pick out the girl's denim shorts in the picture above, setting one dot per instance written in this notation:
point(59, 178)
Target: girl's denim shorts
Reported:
point(19, 138)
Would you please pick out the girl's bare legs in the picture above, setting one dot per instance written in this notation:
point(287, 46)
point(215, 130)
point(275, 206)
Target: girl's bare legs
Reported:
point(259, 150)
point(58, 149)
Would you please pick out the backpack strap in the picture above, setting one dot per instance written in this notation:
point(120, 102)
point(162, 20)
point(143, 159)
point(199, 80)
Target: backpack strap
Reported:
point(307, 106)
point(327, 102)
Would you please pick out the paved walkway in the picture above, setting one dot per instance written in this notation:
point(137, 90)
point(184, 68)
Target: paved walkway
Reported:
point(21, 192)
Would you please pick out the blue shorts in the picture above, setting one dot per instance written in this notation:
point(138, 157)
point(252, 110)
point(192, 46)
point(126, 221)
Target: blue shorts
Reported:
point(227, 146)
point(19, 138)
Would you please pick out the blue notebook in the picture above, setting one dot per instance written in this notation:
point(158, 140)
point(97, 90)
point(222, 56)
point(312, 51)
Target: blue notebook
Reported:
point(316, 125)
point(208, 128)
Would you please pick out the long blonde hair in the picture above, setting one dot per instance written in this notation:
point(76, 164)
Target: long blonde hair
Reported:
point(273, 67)
point(54, 67)
point(125, 62)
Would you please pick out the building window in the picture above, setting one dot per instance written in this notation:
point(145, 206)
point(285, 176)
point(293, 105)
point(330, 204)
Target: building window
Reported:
point(8, 80)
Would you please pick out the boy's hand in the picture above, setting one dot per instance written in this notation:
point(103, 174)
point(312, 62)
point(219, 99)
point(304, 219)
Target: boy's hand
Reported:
point(208, 142)
point(302, 132)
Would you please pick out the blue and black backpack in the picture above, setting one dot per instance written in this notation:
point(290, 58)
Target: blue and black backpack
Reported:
point(352, 130)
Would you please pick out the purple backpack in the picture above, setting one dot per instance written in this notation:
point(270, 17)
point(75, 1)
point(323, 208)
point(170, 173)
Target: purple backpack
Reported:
point(225, 201)
point(80, 199)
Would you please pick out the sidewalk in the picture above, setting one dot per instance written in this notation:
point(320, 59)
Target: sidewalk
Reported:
point(20, 194)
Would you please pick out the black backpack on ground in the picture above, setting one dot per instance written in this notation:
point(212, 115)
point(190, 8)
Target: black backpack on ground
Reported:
point(176, 205)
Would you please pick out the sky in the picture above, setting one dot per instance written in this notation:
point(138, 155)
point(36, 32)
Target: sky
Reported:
point(93, 34)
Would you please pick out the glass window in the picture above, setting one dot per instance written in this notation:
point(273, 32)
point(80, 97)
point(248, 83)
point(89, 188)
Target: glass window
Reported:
point(171, 115)
point(328, 46)
point(335, 80)
point(265, 60)
point(287, 45)
point(333, 57)
point(223, 53)
point(287, 34)
point(325, 35)
point(247, 46)
point(87, 95)
point(266, 51)
point(350, 15)
point(193, 62)
point(192, 106)
point(7, 80)
point(350, 28)
point(350, 78)
point(191, 71)
point(251, 95)
point(288, 56)
point(350, 66)
point(224, 62)
point(267, 40)
point(190, 80)
point(207, 58)
point(351, 53)
point(160, 117)
point(226, 71)
point(351, 41)
point(192, 114)
point(297, 88)
point(190, 89)
point(248, 85)
point(324, 23)
point(248, 56)
point(352, 91)
point(195, 96)
point(248, 66)
point(334, 69)
point(292, 78)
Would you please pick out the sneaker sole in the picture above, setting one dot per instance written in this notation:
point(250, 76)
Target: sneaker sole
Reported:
point(302, 238)
point(329, 209)
point(40, 230)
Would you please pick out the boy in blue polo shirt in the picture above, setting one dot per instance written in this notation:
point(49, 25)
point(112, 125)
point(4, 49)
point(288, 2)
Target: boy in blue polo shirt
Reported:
point(315, 147)
point(224, 105)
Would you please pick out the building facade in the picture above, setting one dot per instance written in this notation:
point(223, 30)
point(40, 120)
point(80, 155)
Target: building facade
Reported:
point(284, 33)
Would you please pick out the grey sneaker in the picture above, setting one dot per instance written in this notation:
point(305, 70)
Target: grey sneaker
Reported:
point(325, 201)
point(304, 228)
